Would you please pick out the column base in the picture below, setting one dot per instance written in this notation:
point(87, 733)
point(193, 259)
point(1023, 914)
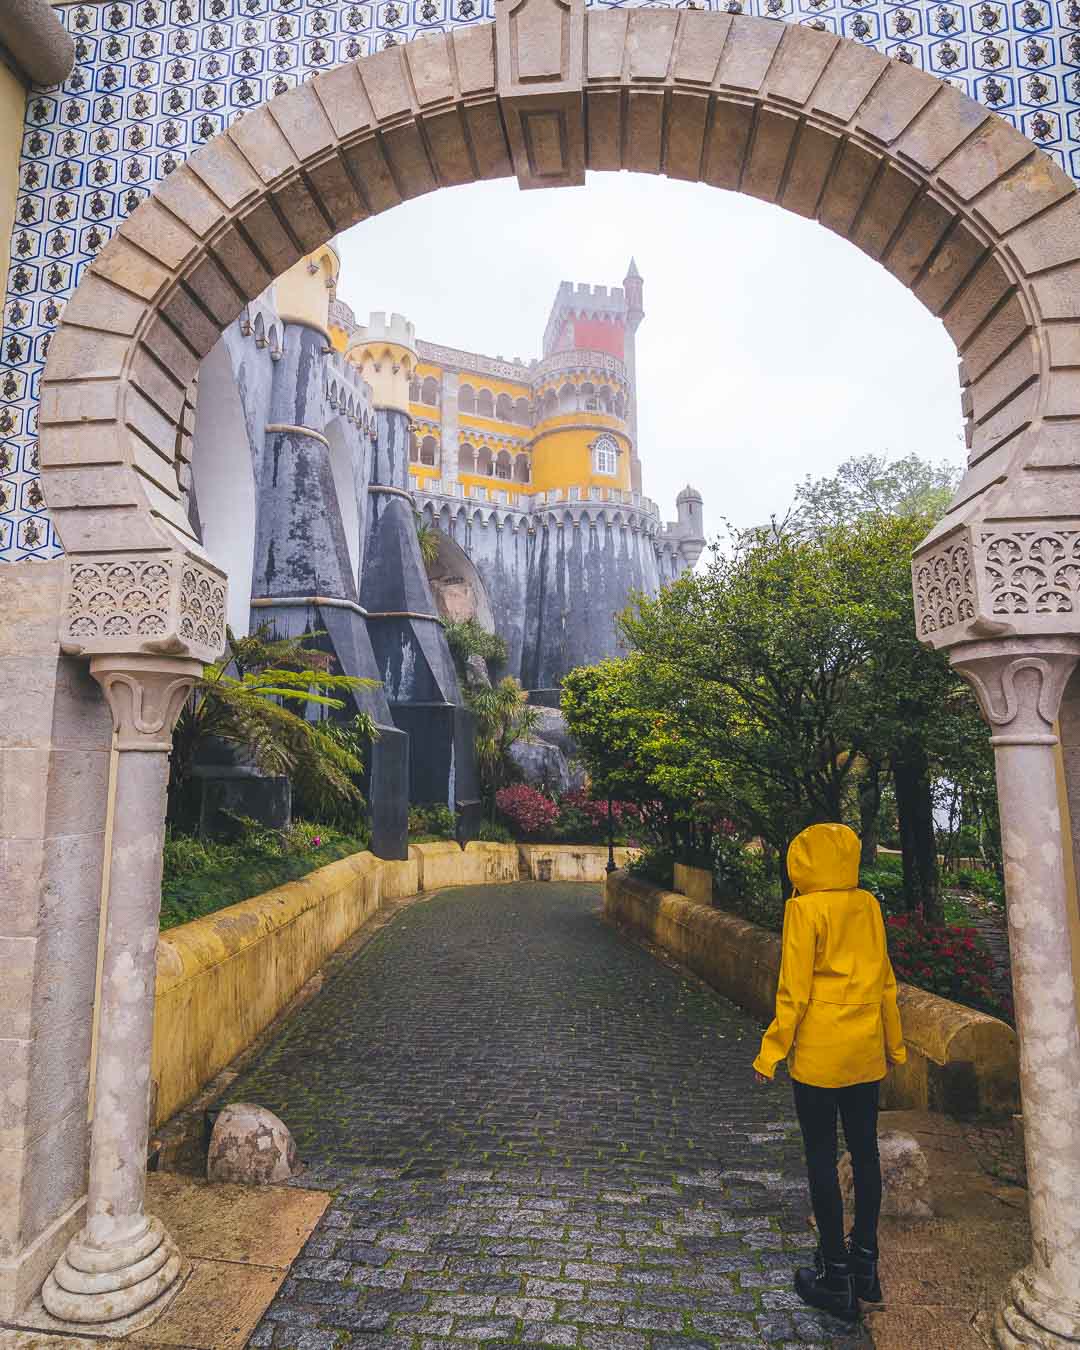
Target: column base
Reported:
point(1033, 1314)
point(103, 1286)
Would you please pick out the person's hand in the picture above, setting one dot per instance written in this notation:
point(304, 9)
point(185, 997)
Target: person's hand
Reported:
point(761, 1080)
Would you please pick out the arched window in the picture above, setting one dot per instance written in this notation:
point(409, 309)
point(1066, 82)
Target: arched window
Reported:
point(605, 398)
point(429, 451)
point(605, 455)
point(485, 404)
point(467, 459)
point(521, 469)
point(414, 391)
point(568, 399)
point(466, 399)
point(502, 464)
point(483, 461)
point(589, 401)
point(414, 449)
point(429, 392)
point(551, 403)
point(521, 411)
point(620, 406)
point(504, 408)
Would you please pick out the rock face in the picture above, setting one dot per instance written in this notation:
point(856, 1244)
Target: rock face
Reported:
point(905, 1178)
point(476, 673)
point(543, 765)
point(252, 1146)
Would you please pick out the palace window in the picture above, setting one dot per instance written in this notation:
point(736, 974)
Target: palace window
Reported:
point(605, 455)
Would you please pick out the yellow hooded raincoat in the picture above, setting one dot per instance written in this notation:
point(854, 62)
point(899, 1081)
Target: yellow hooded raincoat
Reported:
point(836, 1017)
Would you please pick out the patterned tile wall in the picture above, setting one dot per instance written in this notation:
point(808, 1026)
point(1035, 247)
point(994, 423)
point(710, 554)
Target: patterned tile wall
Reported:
point(154, 79)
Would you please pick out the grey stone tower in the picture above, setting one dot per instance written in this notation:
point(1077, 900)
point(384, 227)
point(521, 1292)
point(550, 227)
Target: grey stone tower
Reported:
point(406, 633)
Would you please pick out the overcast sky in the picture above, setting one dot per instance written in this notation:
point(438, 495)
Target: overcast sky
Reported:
point(770, 348)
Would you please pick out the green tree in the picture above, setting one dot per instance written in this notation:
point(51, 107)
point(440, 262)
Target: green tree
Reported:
point(872, 485)
point(785, 685)
point(920, 721)
point(261, 711)
point(763, 646)
point(502, 716)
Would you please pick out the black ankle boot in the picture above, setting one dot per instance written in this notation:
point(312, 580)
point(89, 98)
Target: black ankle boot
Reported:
point(864, 1271)
point(829, 1287)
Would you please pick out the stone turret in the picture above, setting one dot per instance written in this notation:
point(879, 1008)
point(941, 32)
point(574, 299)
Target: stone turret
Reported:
point(302, 295)
point(690, 525)
point(385, 351)
point(634, 290)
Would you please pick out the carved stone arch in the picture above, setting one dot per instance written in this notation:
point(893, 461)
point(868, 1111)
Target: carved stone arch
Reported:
point(963, 209)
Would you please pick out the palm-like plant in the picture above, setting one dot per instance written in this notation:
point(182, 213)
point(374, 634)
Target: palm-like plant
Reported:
point(503, 716)
point(427, 536)
point(260, 711)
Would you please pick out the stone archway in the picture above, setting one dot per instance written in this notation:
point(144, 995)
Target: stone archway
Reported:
point(960, 207)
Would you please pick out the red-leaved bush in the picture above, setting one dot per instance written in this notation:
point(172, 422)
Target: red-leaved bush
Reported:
point(595, 809)
point(529, 811)
point(945, 960)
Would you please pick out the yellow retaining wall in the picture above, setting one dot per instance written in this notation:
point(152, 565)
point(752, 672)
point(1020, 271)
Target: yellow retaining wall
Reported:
point(696, 882)
point(960, 1061)
point(568, 862)
point(223, 978)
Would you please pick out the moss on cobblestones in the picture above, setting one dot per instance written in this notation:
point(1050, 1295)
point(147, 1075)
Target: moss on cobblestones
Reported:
point(536, 1135)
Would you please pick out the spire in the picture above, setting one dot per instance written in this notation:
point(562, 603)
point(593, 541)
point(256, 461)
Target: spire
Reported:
point(632, 274)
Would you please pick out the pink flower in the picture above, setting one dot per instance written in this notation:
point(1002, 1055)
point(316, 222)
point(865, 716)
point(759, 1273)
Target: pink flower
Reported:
point(317, 841)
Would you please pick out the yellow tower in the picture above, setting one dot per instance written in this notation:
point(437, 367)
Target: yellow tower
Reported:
point(582, 436)
point(385, 353)
point(303, 293)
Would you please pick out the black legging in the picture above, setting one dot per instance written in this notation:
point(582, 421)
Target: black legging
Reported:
point(816, 1108)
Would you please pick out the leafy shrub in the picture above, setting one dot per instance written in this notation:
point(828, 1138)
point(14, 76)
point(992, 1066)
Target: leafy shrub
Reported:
point(200, 877)
point(465, 638)
point(983, 883)
point(530, 813)
point(885, 880)
point(745, 884)
point(491, 832)
point(431, 823)
point(656, 864)
point(946, 960)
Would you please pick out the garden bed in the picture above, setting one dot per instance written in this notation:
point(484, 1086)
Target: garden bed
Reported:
point(201, 877)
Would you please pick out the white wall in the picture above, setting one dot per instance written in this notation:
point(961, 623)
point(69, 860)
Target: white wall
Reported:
point(224, 480)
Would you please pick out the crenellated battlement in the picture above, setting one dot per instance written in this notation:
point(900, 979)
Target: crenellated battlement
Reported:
point(397, 330)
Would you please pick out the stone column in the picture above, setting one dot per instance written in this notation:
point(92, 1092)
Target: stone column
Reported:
point(450, 442)
point(1019, 684)
point(123, 1261)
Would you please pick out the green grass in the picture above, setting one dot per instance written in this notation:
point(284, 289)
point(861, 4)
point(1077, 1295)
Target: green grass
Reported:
point(201, 877)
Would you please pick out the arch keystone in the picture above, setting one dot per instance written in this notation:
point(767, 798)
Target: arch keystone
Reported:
point(540, 62)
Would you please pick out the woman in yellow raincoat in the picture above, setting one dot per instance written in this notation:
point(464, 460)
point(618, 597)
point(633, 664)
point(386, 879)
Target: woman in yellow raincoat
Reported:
point(838, 1026)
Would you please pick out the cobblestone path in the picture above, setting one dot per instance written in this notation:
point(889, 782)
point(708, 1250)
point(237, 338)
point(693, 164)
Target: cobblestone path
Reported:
point(536, 1134)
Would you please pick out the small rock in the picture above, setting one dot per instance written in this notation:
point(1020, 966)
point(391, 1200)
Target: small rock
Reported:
point(905, 1177)
point(252, 1146)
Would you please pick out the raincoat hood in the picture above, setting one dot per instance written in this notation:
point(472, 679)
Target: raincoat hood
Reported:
point(824, 858)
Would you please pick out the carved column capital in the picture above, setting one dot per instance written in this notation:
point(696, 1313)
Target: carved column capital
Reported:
point(145, 695)
point(1019, 683)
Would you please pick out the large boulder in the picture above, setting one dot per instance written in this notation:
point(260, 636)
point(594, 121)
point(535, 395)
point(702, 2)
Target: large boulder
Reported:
point(551, 727)
point(543, 765)
point(905, 1177)
point(249, 1144)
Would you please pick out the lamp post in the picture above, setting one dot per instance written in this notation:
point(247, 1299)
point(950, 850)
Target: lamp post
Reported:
point(610, 838)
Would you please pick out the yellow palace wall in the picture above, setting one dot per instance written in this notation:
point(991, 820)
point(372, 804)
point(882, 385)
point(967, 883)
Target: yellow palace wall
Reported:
point(562, 457)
